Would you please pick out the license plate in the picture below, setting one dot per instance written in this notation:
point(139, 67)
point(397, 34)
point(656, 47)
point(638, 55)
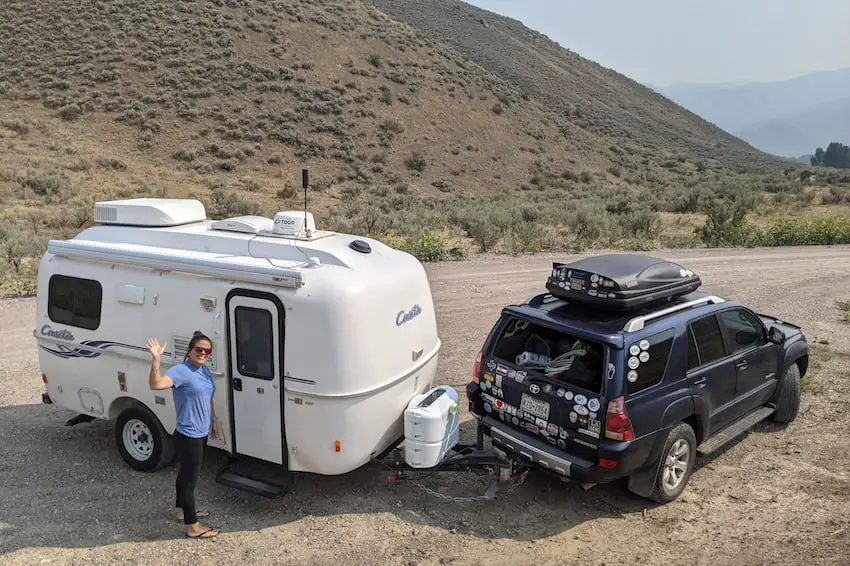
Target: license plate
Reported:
point(535, 406)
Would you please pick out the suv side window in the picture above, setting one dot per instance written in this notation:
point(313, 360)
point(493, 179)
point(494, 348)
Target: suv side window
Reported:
point(742, 329)
point(709, 340)
point(650, 360)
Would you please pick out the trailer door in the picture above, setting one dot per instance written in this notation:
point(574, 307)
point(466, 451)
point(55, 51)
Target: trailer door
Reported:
point(255, 334)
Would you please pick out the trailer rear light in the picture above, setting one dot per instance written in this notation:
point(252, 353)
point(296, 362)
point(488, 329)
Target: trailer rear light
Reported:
point(606, 463)
point(618, 426)
point(476, 370)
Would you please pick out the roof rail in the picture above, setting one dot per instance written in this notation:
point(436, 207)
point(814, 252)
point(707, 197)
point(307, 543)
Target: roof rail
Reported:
point(639, 322)
point(199, 263)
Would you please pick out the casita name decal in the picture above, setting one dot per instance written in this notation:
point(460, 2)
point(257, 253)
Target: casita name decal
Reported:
point(60, 334)
point(403, 317)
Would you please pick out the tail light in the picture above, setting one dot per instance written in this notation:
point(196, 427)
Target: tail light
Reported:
point(44, 378)
point(618, 426)
point(476, 370)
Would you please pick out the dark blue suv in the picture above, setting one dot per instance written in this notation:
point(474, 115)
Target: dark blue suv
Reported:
point(624, 370)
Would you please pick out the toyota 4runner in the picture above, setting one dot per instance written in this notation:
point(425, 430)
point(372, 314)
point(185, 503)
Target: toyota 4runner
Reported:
point(624, 370)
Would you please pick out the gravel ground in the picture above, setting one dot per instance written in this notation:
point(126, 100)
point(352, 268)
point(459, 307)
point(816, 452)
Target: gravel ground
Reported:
point(779, 495)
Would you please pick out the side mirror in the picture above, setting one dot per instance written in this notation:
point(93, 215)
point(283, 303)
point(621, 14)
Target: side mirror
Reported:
point(775, 335)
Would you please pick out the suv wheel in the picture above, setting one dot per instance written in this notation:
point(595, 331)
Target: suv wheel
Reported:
point(787, 396)
point(675, 465)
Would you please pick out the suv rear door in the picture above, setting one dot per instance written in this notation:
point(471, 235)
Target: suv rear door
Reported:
point(711, 373)
point(562, 401)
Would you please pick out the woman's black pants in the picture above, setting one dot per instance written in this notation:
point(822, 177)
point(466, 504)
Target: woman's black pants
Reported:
point(190, 452)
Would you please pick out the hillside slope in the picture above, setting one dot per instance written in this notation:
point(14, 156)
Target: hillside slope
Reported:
point(225, 90)
point(259, 89)
point(601, 101)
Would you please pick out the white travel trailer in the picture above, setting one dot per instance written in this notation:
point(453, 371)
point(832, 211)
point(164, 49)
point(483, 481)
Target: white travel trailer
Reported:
point(345, 326)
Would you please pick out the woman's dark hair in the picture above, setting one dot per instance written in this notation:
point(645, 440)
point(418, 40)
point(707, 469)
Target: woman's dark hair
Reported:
point(197, 335)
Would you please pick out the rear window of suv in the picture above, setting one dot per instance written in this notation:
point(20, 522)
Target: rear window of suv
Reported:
point(558, 355)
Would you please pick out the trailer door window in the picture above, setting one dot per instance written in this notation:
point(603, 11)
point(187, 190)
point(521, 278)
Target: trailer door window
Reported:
point(254, 336)
point(74, 301)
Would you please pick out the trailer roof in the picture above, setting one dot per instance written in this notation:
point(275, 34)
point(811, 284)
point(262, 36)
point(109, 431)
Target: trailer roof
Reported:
point(219, 248)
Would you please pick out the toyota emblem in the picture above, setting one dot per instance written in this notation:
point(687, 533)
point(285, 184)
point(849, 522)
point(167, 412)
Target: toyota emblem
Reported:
point(534, 388)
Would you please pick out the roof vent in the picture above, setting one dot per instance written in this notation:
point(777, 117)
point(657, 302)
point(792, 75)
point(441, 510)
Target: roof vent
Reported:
point(360, 246)
point(244, 224)
point(151, 212)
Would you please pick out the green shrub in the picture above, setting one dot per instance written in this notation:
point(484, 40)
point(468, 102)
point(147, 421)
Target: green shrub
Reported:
point(425, 246)
point(728, 222)
point(416, 162)
point(52, 183)
point(807, 231)
point(224, 204)
point(525, 237)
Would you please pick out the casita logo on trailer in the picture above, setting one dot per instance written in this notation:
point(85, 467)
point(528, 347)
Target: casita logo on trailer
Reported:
point(60, 334)
point(403, 317)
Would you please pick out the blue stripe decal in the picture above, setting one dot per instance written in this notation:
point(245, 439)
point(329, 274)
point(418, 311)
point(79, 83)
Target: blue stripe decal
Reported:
point(100, 346)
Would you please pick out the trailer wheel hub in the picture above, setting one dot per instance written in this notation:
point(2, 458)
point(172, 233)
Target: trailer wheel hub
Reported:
point(138, 439)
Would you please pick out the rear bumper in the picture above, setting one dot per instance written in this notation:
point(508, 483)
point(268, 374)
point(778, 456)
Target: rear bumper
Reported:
point(540, 454)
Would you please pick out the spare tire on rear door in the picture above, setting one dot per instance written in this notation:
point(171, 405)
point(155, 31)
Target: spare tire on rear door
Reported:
point(142, 441)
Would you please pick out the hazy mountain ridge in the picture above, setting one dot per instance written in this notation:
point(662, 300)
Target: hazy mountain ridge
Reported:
point(782, 117)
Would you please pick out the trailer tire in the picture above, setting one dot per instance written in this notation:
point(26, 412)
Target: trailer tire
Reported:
point(142, 441)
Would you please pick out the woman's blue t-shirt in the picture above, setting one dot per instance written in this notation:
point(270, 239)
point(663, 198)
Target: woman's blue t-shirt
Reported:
point(193, 390)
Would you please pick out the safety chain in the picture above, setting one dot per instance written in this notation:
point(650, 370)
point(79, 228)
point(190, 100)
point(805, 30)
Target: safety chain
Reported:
point(492, 489)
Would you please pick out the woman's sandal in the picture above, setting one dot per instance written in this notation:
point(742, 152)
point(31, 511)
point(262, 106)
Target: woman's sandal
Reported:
point(205, 533)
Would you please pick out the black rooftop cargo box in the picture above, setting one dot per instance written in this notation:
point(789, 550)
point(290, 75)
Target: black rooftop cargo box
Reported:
point(620, 281)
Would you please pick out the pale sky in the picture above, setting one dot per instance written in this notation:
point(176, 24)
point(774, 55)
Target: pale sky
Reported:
point(667, 41)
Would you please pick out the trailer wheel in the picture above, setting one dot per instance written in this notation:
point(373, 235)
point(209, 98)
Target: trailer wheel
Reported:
point(141, 440)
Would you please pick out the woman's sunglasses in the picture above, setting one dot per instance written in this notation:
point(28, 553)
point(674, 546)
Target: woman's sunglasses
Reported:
point(202, 351)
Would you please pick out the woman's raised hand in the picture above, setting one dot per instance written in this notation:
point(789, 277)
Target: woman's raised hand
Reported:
point(155, 348)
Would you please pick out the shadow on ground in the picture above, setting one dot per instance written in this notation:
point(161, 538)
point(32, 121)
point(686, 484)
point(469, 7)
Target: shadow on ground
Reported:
point(68, 487)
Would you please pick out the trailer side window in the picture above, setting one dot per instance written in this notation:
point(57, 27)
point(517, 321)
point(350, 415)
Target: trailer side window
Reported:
point(254, 342)
point(74, 301)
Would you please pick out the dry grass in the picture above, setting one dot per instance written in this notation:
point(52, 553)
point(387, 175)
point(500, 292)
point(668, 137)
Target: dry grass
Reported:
point(226, 101)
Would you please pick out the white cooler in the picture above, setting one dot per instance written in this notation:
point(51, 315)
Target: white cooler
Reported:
point(431, 426)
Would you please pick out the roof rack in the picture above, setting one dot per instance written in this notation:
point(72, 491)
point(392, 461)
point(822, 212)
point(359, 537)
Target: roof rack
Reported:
point(639, 322)
point(541, 299)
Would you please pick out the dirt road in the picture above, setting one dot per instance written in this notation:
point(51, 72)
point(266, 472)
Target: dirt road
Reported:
point(777, 496)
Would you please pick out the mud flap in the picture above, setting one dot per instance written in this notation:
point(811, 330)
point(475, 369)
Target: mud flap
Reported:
point(642, 481)
point(79, 419)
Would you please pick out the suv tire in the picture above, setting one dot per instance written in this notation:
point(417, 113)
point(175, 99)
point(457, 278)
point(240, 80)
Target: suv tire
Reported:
point(675, 464)
point(787, 396)
point(142, 440)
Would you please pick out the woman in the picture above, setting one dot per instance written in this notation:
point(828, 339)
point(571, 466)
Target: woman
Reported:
point(193, 393)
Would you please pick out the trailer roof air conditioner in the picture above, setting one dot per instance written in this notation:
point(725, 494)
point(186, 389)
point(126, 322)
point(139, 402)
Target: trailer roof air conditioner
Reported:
point(152, 212)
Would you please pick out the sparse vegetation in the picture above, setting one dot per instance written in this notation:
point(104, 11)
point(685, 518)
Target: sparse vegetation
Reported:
point(844, 308)
point(180, 106)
